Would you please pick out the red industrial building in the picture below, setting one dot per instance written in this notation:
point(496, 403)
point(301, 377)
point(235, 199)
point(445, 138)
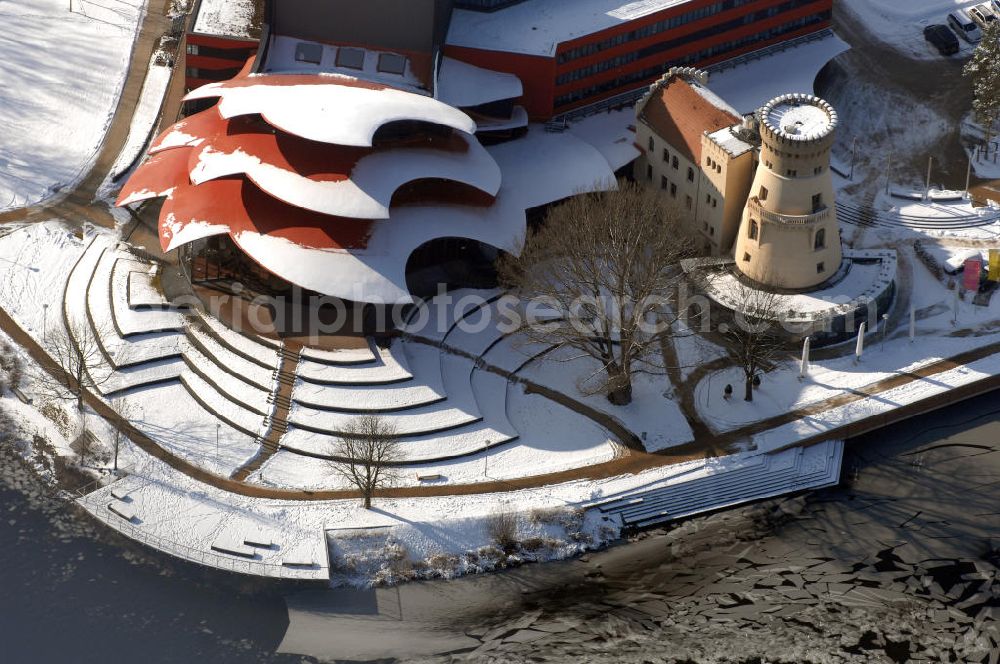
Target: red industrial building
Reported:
point(219, 44)
point(571, 53)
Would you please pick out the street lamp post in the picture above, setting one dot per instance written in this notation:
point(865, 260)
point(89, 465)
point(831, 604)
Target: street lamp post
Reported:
point(45, 320)
point(218, 428)
point(885, 328)
point(486, 460)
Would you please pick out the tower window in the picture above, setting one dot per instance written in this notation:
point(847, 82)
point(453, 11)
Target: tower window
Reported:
point(820, 268)
point(754, 229)
point(673, 190)
point(663, 182)
point(820, 241)
point(817, 201)
point(746, 258)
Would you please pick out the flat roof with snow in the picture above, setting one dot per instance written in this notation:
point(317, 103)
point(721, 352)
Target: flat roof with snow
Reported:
point(537, 27)
point(235, 19)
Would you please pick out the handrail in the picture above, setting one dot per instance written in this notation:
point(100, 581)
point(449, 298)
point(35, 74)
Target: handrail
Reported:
point(789, 219)
point(202, 556)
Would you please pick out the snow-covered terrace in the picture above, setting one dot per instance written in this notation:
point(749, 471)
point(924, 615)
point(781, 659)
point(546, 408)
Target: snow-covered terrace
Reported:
point(332, 108)
point(537, 27)
point(236, 19)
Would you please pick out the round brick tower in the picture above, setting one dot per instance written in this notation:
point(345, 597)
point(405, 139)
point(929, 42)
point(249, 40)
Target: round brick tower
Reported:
point(789, 237)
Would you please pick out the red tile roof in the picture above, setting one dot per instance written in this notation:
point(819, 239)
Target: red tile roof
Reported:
point(680, 114)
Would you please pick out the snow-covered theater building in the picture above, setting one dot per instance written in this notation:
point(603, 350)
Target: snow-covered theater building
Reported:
point(370, 149)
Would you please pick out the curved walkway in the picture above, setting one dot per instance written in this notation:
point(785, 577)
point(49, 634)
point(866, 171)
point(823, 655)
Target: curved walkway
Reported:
point(76, 205)
point(633, 463)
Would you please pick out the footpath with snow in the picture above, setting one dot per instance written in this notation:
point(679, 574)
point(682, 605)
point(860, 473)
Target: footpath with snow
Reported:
point(59, 86)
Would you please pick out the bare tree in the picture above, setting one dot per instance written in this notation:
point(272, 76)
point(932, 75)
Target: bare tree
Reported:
point(365, 456)
point(607, 265)
point(79, 364)
point(754, 340)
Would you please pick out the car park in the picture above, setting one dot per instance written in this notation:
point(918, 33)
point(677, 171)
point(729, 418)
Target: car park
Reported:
point(941, 38)
point(964, 26)
point(982, 15)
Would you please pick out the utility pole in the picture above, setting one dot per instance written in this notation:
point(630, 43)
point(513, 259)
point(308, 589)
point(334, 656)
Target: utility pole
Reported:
point(888, 174)
point(45, 321)
point(968, 177)
point(927, 189)
point(854, 155)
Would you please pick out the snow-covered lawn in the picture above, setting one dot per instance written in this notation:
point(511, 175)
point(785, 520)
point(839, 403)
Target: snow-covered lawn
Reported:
point(653, 414)
point(781, 391)
point(900, 23)
point(61, 76)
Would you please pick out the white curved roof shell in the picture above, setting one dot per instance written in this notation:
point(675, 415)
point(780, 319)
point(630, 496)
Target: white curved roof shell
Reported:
point(338, 114)
point(538, 169)
point(373, 181)
point(464, 85)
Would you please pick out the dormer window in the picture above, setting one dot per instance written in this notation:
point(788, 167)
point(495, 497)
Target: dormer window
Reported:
point(351, 58)
point(311, 53)
point(391, 63)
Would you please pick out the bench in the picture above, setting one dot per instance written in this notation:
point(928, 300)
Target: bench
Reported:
point(298, 561)
point(233, 549)
point(120, 494)
point(123, 510)
point(259, 539)
point(430, 478)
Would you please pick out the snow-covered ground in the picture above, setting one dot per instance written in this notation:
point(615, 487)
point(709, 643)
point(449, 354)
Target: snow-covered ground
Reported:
point(653, 414)
point(61, 75)
point(900, 23)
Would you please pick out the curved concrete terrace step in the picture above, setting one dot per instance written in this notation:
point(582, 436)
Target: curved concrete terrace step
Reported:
point(442, 317)
point(390, 367)
point(81, 291)
point(425, 388)
point(143, 320)
point(490, 392)
point(410, 423)
point(222, 406)
point(868, 217)
point(148, 375)
point(241, 393)
point(126, 322)
point(341, 357)
point(143, 292)
point(226, 360)
point(431, 448)
point(256, 349)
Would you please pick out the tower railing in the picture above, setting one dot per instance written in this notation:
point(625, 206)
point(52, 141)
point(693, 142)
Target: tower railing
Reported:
point(757, 210)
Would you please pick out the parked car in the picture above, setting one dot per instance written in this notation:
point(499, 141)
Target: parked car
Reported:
point(995, 4)
point(965, 27)
point(982, 15)
point(941, 38)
